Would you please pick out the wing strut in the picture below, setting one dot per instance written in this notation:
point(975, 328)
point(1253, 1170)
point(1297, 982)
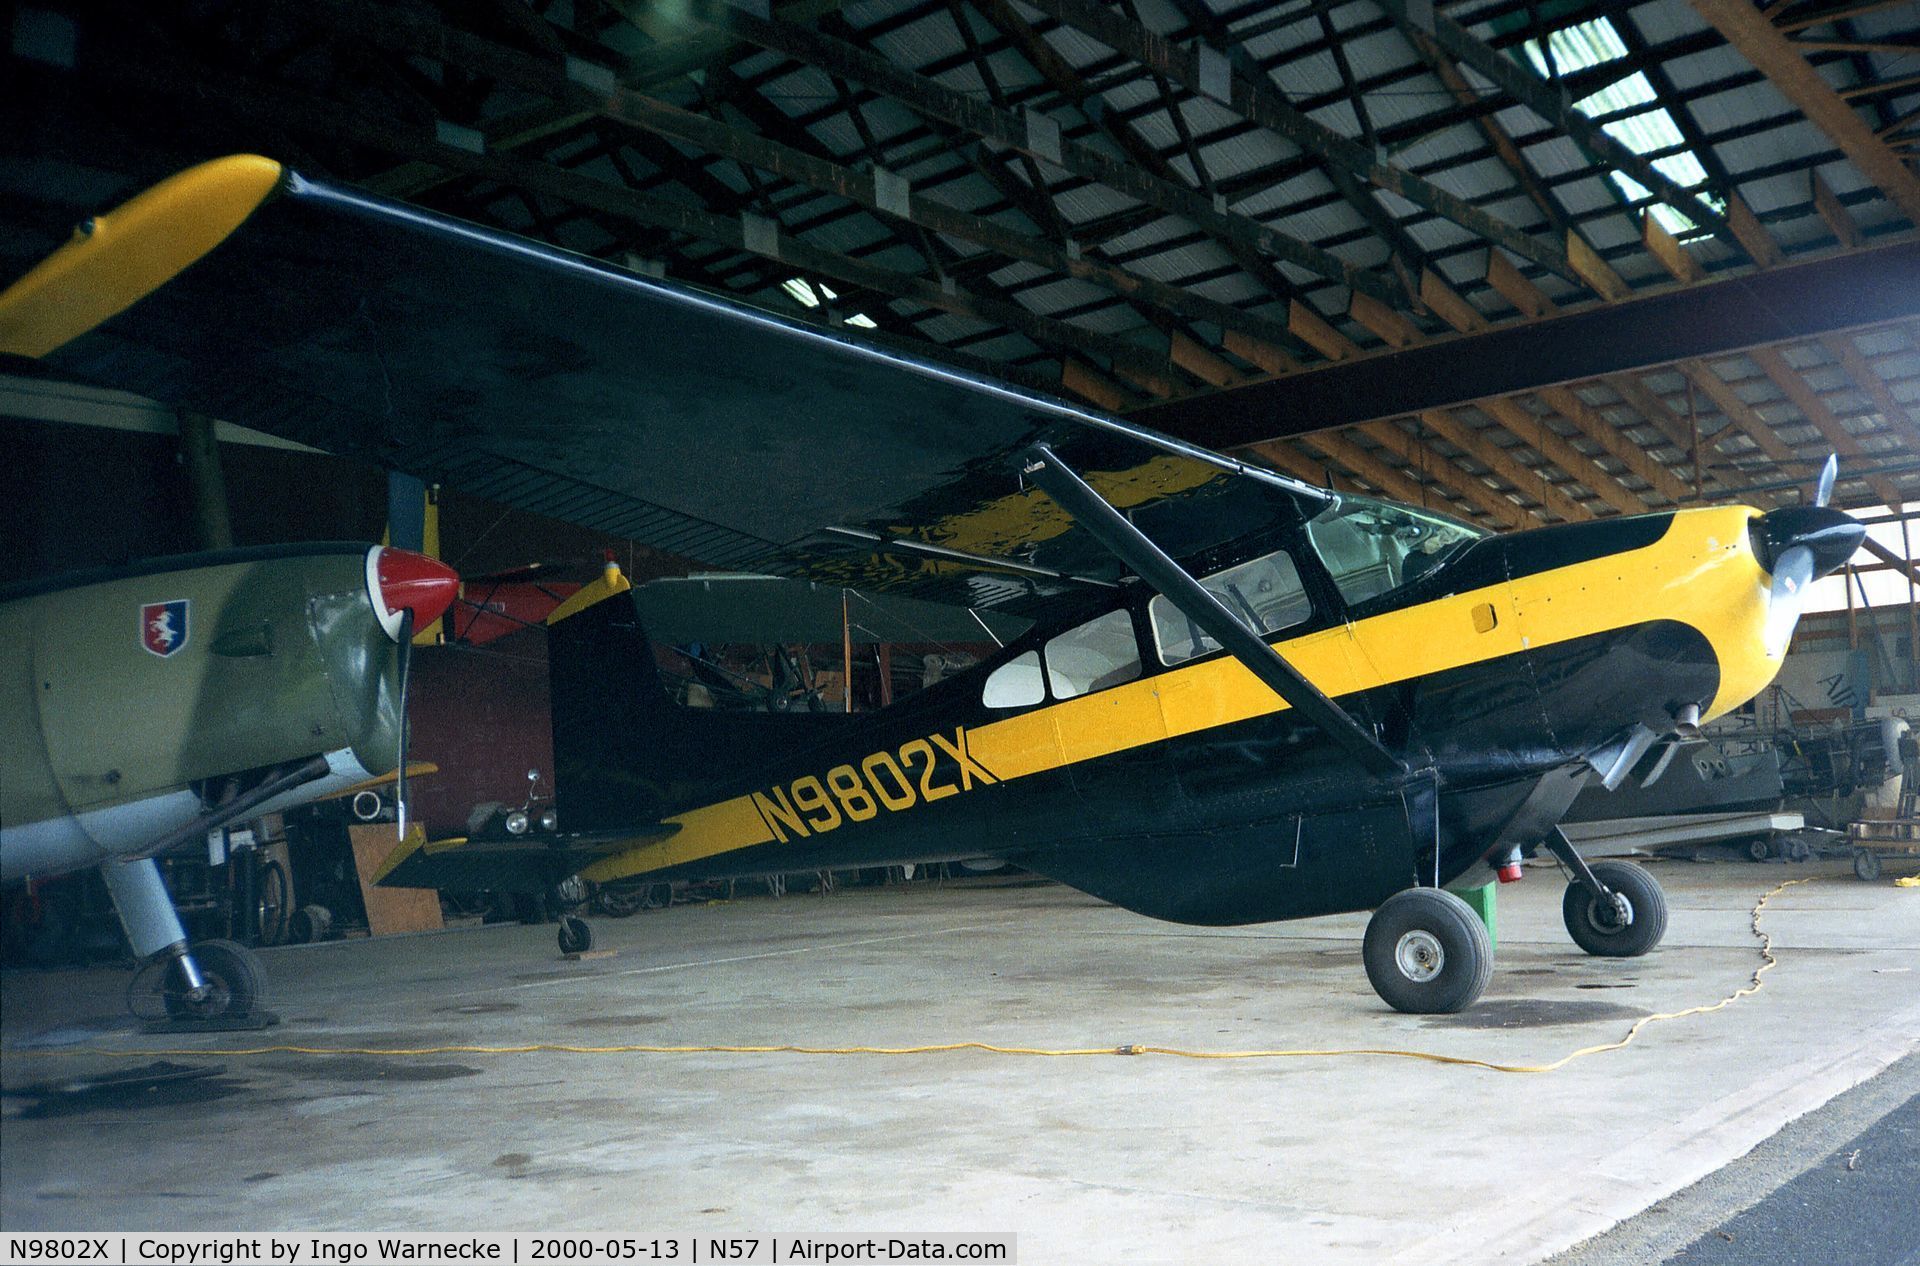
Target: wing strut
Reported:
point(1133, 548)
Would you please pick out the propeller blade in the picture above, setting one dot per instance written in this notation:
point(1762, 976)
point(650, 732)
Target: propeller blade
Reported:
point(1823, 491)
point(405, 652)
point(1792, 576)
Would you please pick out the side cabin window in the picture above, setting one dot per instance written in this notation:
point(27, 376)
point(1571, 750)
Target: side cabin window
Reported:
point(1100, 653)
point(1016, 683)
point(1371, 546)
point(1264, 592)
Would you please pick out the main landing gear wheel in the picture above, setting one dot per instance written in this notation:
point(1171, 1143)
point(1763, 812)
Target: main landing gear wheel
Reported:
point(235, 984)
point(576, 935)
point(1427, 952)
point(1623, 928)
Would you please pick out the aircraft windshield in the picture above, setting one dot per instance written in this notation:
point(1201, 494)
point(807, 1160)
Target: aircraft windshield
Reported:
point(1373, 546)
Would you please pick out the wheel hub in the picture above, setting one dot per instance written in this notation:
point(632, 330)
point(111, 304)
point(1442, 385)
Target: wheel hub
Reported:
point(1611, 916)
point(1419, 956)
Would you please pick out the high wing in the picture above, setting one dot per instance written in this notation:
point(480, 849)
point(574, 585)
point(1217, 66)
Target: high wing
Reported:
point(567, 386)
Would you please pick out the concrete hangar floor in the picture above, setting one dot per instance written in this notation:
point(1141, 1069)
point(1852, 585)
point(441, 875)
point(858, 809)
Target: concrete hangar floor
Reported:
point(1096, 1158)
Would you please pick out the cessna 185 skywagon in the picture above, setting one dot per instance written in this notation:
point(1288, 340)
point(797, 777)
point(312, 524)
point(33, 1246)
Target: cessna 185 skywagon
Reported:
point(1242, 697)
point(147, 705)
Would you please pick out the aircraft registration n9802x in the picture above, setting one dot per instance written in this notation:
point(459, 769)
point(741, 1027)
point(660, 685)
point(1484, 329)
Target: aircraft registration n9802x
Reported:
point(1237, 697)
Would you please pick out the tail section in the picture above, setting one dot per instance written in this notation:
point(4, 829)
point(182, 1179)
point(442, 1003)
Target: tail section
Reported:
point(611, 716)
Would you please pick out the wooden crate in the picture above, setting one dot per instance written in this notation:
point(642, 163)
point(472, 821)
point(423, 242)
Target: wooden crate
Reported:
point(391, 910)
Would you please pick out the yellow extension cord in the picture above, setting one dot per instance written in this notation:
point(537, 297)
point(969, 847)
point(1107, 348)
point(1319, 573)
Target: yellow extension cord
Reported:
point(1768, 962)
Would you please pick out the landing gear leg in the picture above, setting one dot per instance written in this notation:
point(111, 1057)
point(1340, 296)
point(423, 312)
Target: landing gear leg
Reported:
point(1611, 909)
point(214, 981)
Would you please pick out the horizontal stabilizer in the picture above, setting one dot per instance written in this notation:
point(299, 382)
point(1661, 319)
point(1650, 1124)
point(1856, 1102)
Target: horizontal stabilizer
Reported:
point(506, 863)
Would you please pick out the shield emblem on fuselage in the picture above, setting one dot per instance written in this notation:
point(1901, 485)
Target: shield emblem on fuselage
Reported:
point(163, 626)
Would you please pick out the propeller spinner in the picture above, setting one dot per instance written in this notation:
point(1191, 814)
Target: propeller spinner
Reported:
point(1798, 545)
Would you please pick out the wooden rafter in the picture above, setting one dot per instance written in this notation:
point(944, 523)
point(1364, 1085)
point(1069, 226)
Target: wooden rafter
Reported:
point(869, 190)
point(1253, 99)
point(1030, 133)
point(1423, 459)
point(1761, 43)
point(160, 72)
point(1774, 364)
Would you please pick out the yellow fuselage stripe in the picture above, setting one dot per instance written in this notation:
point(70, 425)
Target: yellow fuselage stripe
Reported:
point(1702, 573)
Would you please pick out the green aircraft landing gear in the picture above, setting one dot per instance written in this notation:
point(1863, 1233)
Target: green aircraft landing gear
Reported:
point(1427, 952)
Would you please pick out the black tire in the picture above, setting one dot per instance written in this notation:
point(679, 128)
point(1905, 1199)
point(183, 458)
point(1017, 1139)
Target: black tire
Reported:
point(1759, 848)
point(310, 923)
point(576, 935)
point(236, 983)
point(271, 902)
point(1866, 864)
point(1427, 952)
point(1594, 926)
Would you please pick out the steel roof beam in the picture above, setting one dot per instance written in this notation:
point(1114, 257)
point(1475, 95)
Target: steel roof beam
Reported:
point(1794, 301)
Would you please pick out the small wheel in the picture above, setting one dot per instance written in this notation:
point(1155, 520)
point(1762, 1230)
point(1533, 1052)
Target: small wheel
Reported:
point(1759, 848)
point(1800, 851)
point(576, 935)
point(310, 923)
point(272, 904)
point(1427, 952)
point(1866, 864)
point(235, 983)
point(1606, 931)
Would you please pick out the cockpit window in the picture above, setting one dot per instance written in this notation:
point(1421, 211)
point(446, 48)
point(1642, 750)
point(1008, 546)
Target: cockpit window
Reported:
point(1098, 654)
point(1265, 593)
point(1372, 546)
point(1016, 683)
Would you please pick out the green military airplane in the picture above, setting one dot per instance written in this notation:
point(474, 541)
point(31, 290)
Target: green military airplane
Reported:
point(148, 705)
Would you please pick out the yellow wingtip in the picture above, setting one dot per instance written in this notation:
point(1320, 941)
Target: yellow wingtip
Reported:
point(116, 259)
point(611, 582)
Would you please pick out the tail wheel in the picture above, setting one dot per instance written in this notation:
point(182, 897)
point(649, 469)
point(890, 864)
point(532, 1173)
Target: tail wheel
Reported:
point(576, 935)
point(1427, 952)
point(234, 978)
point(1626, 928)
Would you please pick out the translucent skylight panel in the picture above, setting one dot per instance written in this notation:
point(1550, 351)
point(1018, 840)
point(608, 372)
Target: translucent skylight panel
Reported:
point(1648, 129)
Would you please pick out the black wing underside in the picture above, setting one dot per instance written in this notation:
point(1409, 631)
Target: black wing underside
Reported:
point(562, 385)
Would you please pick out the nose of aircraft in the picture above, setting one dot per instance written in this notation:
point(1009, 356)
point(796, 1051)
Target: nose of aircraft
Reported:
point(400, 582)
point(1829, 536)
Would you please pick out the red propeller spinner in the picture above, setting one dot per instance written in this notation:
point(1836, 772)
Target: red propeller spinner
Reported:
point(400, 581)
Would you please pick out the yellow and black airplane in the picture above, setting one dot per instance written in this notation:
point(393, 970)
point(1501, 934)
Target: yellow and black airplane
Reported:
point(1241, 697)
